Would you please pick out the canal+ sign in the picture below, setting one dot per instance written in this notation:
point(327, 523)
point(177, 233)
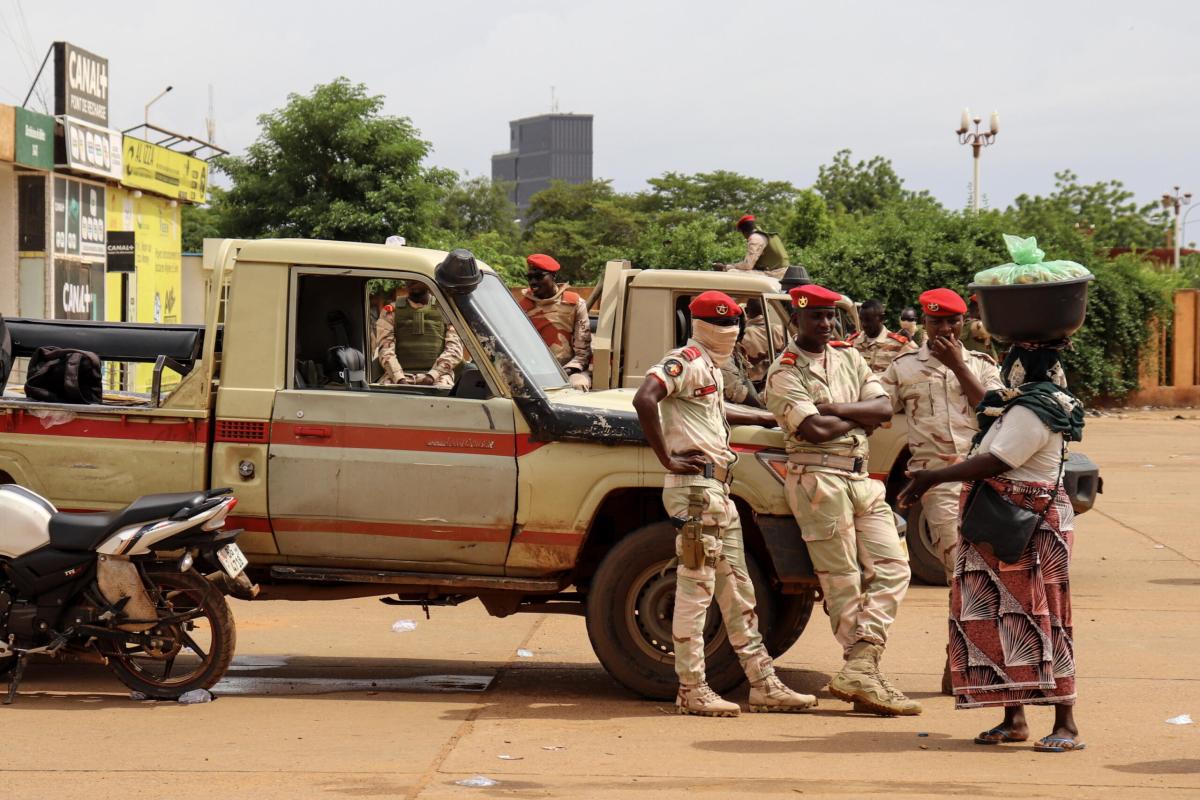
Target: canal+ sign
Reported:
point(80, 84)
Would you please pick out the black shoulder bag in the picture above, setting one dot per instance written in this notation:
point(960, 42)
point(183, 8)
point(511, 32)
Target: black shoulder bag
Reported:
point(990, 519)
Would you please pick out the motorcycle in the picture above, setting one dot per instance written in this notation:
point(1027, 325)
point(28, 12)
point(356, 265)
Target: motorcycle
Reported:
point(143, 586)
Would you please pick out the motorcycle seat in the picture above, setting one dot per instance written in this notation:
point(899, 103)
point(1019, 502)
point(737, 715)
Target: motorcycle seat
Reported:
point(87, 531)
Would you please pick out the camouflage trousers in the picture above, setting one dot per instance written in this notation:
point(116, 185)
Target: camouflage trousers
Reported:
point(727, 580)
point(939, 509)
point(856, 552)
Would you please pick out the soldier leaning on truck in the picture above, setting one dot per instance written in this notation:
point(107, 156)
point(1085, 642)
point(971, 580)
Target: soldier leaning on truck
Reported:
point(420, 347)
point(937, 388)
point(827, 401)
point(561, 318)
point(692, 443)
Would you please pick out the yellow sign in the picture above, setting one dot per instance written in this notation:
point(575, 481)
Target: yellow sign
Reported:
point(157, 169)
point(154, 293)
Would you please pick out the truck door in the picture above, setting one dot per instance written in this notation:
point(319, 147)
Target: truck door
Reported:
point(402, 476)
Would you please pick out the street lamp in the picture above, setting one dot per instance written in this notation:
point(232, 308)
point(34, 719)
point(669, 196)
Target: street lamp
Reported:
point(160, 96)
point(1176, 201)
point(978, 140)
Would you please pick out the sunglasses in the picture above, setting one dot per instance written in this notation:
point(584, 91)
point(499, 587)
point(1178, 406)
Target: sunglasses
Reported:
point(534, 277)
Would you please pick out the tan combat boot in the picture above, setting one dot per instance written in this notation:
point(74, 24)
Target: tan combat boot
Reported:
point(699, 699)
point(770, 694)
point(859, 683)
point(897, 703)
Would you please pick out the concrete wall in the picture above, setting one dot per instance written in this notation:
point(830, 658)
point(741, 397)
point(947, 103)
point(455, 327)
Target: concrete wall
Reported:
point(8, 242)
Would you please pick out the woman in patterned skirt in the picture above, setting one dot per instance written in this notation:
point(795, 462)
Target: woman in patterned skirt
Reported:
point(1010, 623)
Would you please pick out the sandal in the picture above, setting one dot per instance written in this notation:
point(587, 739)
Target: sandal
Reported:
point(1057, 744)
point(997, 735)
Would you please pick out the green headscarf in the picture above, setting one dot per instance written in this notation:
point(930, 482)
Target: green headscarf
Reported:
point(1035, 377)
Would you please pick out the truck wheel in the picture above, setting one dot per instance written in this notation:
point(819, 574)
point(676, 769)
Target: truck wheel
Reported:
point(629, 608)
point(792, 612)
point(922, 555)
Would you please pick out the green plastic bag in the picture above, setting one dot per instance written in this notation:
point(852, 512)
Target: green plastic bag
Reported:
point(1028, 267)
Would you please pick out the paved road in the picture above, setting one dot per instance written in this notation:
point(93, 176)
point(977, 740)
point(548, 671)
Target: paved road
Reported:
point(326, 701)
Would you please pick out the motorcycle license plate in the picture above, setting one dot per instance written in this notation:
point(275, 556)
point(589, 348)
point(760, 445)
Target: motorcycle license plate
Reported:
point(232, 560)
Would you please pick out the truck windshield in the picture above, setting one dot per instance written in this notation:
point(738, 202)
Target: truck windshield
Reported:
point(507, 334)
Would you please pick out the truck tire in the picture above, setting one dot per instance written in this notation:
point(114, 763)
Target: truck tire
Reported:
point(790, 618)
point(922, 557)
point(629, 609)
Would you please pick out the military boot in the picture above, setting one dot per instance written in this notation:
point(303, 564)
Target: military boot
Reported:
point(770, 694)
point(699, 699)
point(897, 703)
point(856, 683)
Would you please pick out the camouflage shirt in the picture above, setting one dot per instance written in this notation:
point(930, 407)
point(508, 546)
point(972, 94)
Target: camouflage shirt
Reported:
point(880, 351)
point(754, 346)
point(562, 322)
point(940, 422)
point(443, 367)
point(693, 412)
point(798, 382)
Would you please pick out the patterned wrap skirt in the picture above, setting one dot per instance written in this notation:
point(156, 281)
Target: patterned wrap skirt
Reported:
point(1010, 624)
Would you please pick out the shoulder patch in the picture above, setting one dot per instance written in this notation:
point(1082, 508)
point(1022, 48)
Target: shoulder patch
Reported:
point(899, 337)
point(853, 336)
point(673, 367)
point(705, 390)
point(788, 358)
point(525, 303)
point(839, 343)
point(984, 356)
point(690, 353)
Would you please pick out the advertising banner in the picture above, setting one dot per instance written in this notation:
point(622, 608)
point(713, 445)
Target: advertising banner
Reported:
point(90, 148)
point(121, 248)
point(79, 224)
point(80, 84)
point(78, 290)
point(157, 169)
point(34, 139)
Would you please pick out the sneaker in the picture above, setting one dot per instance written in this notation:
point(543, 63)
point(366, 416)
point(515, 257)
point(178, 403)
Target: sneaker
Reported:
point(702, 701)
point(770, 694)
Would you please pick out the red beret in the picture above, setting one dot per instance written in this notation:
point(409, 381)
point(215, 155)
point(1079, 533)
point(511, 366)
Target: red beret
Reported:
point(714, 304)
point(812, 296)
point(543, 262)
point(942, 303)
point(389, 307)
point(747, 218)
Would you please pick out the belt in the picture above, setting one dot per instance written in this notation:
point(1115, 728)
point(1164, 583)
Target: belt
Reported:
point(844, 463)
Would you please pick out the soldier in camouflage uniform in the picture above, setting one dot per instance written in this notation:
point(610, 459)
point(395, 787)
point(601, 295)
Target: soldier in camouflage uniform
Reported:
point(419, 347)
point(692, 438)
point(764, 250)
point(561, 318)
point(754, 343)
point(974, 335)
point(877, 345)
point(827, 401)
point(937, 388)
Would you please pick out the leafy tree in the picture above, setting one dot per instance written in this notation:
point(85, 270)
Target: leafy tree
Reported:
point(692, 244)
point(1104, 212)
point(331, 165)
point(582, 226)
point(198, 223)
point(808, 222)
point(864, 187)
point(477, 205)
point(721, 194)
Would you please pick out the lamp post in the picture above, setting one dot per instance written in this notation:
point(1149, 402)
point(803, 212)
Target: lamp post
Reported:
point(1176, 201)
point(158, 97)
point(978, 140)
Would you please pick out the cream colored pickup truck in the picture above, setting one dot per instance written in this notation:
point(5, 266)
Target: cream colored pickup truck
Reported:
point(510, 487)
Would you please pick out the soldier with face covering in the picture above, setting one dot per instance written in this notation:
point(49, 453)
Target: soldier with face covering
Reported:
point(692, 442)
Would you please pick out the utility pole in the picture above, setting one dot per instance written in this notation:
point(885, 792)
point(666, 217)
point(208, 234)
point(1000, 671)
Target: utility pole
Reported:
point(210, 122)
point(978, 140)
point(1176, 201)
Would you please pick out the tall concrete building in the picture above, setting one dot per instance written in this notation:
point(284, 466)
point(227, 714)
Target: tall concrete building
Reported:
point(544, 148)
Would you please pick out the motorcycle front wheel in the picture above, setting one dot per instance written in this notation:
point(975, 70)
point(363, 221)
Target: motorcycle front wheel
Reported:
point(197, 639)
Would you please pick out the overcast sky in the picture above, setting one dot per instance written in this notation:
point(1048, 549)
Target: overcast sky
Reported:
point(1110, 89)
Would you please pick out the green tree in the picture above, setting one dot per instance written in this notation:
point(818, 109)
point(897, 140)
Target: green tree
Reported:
point(856, 188)
point(198, 223)
point(1078, 217)
point(808, 222)
point(331, 165)
point(722, 194)
point(582, 225)
point(477, 205)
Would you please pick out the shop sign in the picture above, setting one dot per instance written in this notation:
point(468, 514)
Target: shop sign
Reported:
point(34, 139)
point(80, 84)
point(90, 148)
point(122, 251)
point(79, 219)
point(162, 171)
point(78, 290)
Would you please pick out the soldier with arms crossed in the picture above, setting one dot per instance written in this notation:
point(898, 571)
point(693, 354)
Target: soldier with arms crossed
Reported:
point(692, 443)
point(827, 400)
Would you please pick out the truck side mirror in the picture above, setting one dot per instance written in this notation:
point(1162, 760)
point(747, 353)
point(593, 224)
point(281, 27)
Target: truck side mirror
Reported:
point(458, 273)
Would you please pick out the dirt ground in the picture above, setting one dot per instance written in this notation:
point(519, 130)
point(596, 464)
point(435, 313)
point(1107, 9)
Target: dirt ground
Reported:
point(324, 700)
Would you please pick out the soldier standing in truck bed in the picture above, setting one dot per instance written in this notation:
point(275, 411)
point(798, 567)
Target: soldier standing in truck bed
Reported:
point(692, 443)
point(561, 319)
point(827, 401)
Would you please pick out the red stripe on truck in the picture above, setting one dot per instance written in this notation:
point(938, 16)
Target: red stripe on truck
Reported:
point(425, 440)
point(125, 426)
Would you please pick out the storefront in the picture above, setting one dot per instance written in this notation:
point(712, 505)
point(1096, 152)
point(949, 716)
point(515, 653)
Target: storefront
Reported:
point(26, 158)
